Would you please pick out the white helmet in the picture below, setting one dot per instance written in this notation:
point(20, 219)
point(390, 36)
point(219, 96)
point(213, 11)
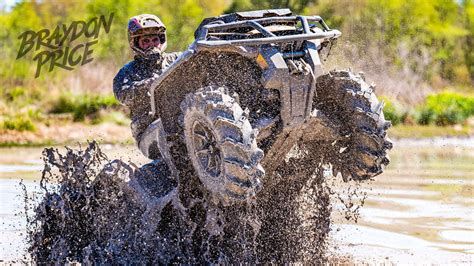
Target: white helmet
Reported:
point(142, 25)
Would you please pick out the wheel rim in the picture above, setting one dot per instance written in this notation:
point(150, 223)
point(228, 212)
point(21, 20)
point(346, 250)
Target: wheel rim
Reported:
point(206, 150)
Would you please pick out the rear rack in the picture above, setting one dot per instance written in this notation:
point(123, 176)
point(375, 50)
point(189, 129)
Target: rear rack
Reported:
point(269, 37)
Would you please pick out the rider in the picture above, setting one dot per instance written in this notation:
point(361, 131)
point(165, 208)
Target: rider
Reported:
point(147, 39)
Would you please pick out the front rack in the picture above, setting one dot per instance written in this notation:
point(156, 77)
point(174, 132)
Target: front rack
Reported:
point(269, 37)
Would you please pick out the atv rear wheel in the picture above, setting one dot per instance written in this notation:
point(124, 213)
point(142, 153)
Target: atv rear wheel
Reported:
point(221, 144)
point(349, 102)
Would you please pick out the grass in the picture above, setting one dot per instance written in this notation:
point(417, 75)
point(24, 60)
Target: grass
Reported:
point(82, 105)
point(18, 123)
point(115, 117)
point(450, 189)
point(429, 131)
point(393, 111)
point(446, 108)
point(25, 108)
point(42, 143)
point(442, 109)
point(445, 114)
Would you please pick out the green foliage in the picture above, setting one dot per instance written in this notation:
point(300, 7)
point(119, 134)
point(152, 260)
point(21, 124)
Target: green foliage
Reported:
point(469, 43)
point(433, 39)
point(181, 18)
point(21, 96)
point(427, 131)
point(115, 117)
point(446, 108)
point(393, 111)
point(35, 114)
point(15, 71)
point(82, 105)
point(15, 93)
point(246, 5)
point(18, 123)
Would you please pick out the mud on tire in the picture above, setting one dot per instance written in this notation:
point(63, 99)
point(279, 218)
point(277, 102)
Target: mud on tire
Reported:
point(221, 144)
point(350, 103)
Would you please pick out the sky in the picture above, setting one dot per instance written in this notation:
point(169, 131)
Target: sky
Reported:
point(7, 4)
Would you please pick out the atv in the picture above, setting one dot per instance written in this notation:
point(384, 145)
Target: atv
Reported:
point(249, 92)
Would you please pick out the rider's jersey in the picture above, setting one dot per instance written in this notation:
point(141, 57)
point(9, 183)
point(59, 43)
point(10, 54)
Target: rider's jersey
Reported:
point(132, 83)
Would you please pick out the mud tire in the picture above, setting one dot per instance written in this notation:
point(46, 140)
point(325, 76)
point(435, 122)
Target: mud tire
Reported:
point(350, 103)
point(212, 111)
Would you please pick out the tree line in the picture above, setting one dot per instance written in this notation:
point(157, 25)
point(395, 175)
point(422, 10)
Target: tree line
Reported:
point(433, 39)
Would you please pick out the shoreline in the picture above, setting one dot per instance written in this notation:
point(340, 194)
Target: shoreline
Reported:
point(112, 133)
point(67, 134)
point(437, 142)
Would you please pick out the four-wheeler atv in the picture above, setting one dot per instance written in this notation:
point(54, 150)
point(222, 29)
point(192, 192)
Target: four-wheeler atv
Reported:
point(250, 89)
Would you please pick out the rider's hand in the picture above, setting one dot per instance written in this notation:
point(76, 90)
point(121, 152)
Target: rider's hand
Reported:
point(152, 79)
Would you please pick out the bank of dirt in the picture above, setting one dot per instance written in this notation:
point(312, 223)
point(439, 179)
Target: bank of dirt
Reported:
point(66, 133)
point(112, 133)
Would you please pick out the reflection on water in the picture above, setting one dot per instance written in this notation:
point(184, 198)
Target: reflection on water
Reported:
point(419, 210)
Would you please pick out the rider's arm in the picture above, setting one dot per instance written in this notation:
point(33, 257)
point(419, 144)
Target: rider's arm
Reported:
point(126, 91)
point(169, 58)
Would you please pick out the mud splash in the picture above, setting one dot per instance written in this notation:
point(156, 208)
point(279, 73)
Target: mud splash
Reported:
point(99, 211)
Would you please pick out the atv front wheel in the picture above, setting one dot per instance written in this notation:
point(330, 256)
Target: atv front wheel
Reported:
point(221, 144)
point(349, 102)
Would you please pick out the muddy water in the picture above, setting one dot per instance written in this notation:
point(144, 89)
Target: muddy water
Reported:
point(419, 210)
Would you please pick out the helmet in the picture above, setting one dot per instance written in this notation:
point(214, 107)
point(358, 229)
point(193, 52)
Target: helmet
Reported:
point(146, 24)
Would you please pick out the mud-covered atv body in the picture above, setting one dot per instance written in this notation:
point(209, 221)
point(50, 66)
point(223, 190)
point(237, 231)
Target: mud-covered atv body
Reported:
point(250, 88)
